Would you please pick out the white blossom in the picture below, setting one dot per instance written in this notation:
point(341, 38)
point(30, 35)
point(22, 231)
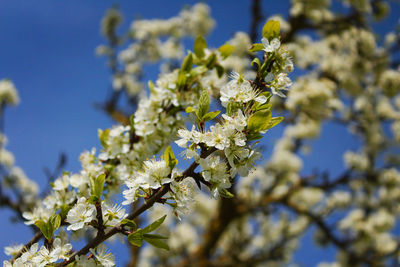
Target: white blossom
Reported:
point(271, 46)
point(44, 256)
point(80, 214)
point(112, 214)
point(183, 194)
point(62, 248)
point(13, 250)
point(100, 253)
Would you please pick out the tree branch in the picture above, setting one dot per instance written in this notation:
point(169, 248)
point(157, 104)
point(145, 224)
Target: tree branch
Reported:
point(256, 19)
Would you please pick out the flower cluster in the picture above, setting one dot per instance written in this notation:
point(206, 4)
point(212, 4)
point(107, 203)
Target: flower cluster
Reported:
point(152, 40)
point(223, 147)
point(35, 256)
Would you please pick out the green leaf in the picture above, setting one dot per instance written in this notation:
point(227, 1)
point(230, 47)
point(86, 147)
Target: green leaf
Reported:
point(226, 50)
point(136, 238)
point(211, 60)
point(54, 222)
point(264, 68)
point(153, 236)
point(265, 106)
point(204, 104)
point(254, 136)
point(271, 29)
point(274, 121)
point(48, 228)
point(211, 115)
point(182, 78)
point(129, 223)
point(96, 185)
point(257, 62)
point(199, 45)
point(157, 243)
point(44, 228)
point(187, 63)
point(220, 70)
point(103, 137)
point(64, 210)
point(92, 183)
point(132, 122)
point(259, 121)
point(225, 193)
point(170, 157)
point(256, 47)
point(154, 225)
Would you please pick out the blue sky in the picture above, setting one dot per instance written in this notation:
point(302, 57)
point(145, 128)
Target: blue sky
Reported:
point(47, 49)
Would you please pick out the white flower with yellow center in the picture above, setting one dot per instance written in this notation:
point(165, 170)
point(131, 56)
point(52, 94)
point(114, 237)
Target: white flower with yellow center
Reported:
point(80, 214)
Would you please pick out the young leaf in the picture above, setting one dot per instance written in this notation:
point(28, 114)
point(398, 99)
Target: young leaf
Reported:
point(92, 183)
point(48, 228)
point(103, 136)
point(220, 70)
point(100, 184)
point(256, 47)
point(204, 104)
point(259, 121)
point(271, 29)
point(54, 223)
point(136, 238)
point(170, 157)
point(154, 225)
point(129, 223)
point(257, 62)
point(254, 136)
point(199, 45)
point(274, 121)
point(211, 60)
point(153, 236)
point(156, 242)
point(187, 63)
point(44, 228)
point(132, 122)
point(211, 115)
point(226, 50)
point(182, 78)
point(64, 208)
point(96, 185)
